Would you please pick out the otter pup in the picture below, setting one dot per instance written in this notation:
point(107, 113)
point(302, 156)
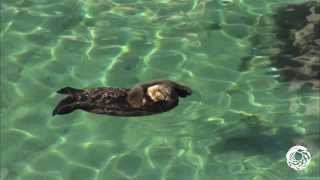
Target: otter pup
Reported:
point(144, 99)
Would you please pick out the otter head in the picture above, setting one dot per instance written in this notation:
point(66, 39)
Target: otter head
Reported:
point(136, 97)
point(159, 92)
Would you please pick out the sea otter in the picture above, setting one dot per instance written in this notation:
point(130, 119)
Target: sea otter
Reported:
point(143, 99)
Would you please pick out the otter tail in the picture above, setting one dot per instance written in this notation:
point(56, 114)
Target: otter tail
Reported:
point(69, 90)
point(70, 103)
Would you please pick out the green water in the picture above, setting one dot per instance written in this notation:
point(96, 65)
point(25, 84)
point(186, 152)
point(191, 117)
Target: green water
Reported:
point(236, 125)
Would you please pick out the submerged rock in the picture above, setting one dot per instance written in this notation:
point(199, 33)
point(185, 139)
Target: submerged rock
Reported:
point(291, 41)
point(297, 29)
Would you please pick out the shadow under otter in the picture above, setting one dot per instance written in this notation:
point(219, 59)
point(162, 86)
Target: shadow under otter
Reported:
point(145, 99)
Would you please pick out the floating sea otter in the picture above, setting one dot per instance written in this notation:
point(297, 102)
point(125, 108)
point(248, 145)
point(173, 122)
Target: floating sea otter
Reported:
point(145, 99)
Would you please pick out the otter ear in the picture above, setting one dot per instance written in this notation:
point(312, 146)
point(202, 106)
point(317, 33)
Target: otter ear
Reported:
point(135, 97)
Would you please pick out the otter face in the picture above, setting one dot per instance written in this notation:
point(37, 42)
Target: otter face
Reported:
point(159, 92)
point(136, 97)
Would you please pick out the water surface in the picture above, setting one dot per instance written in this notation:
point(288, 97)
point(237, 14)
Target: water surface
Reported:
point(238, 124)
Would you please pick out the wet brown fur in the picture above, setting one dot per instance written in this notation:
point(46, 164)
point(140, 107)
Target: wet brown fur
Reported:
point(137, 101)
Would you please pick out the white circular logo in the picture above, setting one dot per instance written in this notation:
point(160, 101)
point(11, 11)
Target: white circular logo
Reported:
point(298, 157)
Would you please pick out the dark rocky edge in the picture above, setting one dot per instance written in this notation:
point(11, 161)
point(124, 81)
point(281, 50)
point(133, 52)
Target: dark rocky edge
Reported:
point(298, 32)
point(290, 39)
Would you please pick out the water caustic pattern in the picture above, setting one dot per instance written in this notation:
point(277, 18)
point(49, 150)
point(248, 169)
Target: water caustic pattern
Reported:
point(238, 124)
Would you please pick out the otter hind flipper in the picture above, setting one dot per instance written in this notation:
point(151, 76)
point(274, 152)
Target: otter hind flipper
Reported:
point(69, 90)
point(69, 104)
point(63, 109)
point(65, 106)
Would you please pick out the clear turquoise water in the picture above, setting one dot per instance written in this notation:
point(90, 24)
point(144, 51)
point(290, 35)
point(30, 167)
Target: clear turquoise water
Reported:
point(236, 125)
